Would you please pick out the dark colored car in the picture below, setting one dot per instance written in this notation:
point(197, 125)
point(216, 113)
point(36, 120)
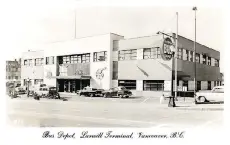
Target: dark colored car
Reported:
point(90, 92)
point(53, 93)
point(117, 91)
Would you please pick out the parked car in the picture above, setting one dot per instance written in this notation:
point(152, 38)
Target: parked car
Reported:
point(41, 91)
point(216, 94)
point(117, 91)
point(20, 91)
point(90, 92)
point(53, 93)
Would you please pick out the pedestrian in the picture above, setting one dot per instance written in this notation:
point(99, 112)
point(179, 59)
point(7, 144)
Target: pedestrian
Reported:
point(162, 98)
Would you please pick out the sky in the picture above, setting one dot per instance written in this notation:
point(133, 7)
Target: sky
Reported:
point(31, 24)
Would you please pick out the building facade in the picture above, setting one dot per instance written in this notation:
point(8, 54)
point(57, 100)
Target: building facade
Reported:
point(13, 71)
point(110, 60)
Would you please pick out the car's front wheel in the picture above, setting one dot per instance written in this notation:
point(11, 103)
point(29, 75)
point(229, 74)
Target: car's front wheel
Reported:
point(202, 99)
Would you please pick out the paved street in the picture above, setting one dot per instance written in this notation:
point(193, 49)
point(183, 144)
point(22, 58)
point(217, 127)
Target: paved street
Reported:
point(111, 112)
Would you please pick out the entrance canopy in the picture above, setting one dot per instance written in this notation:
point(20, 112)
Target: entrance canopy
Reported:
point(181, 74)
point(74, 77)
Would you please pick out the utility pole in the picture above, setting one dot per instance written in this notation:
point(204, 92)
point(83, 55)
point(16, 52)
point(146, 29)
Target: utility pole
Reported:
point(176, 49)
point(194, 57)
point(75, 23)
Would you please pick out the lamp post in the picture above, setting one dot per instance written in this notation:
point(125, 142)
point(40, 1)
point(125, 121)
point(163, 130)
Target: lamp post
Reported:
point(194, 57)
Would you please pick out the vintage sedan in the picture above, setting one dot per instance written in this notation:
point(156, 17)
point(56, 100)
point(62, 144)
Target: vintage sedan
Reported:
point(216, 94)
point(90, 92)
point(117, 91)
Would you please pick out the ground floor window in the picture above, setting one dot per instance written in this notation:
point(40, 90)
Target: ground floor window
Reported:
point(38, 81)
point(209, 85)
point(128, 84)
point(153, 85)
point(198, 85)
point(72, 85)
point(25, 82)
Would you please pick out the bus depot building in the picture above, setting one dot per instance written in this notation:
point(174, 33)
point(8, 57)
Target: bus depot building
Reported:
point(110, 60)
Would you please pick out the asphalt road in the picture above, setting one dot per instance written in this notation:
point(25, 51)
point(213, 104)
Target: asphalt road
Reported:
point(107, 112)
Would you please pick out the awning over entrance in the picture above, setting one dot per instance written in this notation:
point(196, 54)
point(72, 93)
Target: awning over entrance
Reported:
point(181, 74)
point(74, 77)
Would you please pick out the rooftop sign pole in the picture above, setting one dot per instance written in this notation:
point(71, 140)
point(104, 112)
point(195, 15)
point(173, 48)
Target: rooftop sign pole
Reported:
point(167, 53)
point(194, 57)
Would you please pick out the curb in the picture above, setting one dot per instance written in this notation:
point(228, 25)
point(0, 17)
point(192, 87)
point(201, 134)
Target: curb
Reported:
point(202, 109)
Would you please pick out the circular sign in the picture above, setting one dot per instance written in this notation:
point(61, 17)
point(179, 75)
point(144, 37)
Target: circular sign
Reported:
point(167, 49)
point(100, 74)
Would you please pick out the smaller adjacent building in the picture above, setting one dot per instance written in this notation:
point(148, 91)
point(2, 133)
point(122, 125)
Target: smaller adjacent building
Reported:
point(13, 71)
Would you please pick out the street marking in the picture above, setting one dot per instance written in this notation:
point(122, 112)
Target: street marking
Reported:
point(145, 100)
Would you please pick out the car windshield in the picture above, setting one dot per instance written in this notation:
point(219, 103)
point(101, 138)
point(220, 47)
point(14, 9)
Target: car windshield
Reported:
point(218, 90)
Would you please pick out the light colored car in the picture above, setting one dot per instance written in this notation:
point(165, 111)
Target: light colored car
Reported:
point(216, 94)
point(42, 91)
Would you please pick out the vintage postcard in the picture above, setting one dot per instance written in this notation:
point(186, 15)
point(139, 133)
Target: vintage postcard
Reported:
point(130, 67)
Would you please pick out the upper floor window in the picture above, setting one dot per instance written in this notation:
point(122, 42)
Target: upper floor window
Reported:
point(85, 58)
point(186, 57)
point(197, 57)
point(80, 58)
point(115, 45)
point(217, 62)
point(191, 56)
point(28, 62)
point(127, 54)
point(204, 59)
point(38, 61)
point(50, 60)
point(209, 60)
point(75, 59)
point(100, 56)
point(179, 53)
point(66, 59)
point(151, 53)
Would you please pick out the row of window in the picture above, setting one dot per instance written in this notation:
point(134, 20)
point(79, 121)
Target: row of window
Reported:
point(158, 85)
point(189, 57)
point(13, 69)
point(13, 77)
point(152, 53)
point(148, 85)
point(83, 58)
point(36, 82)
point(49, 60)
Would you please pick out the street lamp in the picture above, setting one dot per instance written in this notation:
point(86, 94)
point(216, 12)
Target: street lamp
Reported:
point(194, 57)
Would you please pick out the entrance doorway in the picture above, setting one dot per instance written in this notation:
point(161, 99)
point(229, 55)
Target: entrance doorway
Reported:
point(72, 85)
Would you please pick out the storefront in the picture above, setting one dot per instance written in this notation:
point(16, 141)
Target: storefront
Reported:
point(72, 84)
